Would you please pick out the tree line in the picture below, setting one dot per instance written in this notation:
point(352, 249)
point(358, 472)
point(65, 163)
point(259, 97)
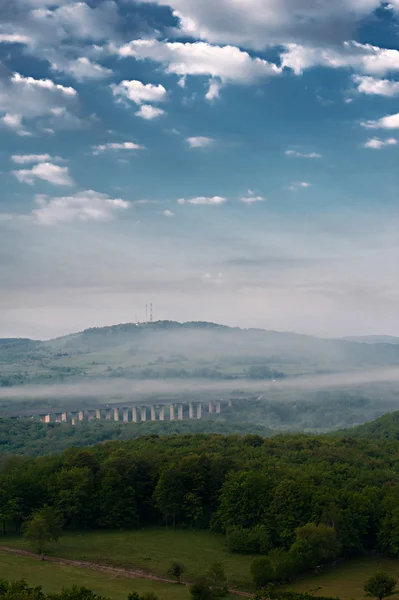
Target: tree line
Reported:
point(297, 501)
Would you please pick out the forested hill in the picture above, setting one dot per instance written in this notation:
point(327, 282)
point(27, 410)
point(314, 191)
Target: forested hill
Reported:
point(167, 349)
point(299, 500)
point(383, 428)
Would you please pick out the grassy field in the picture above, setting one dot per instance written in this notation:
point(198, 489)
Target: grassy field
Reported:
point(53, 577)
point(154, 549)
point(346, 580)
point(150, 549)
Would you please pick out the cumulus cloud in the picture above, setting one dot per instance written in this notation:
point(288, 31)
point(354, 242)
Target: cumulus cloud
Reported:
point(116, 146)
point(76, 20)
point(365, 58)
point(82, 68)
point(168, 213)
point(200, 141)
point(222, 65)
point(62, 32)
point(14, 122)
point(23, 159)
point(82, 206)
point(376, 87)
point(388, 122)
point(377, 143)
point(148, 112)
point(259, 23)
point(24, 98)
point(46, 172)
point(302, 154)
point(212, 201)
point(139, 92)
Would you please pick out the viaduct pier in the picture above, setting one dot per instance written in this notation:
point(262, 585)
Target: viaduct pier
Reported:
point(135, 413)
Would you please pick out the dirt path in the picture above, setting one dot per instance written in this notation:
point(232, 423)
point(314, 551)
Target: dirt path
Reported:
point(133, 573)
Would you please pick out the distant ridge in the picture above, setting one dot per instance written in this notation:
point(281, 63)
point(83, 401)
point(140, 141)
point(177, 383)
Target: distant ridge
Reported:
point(373, 339)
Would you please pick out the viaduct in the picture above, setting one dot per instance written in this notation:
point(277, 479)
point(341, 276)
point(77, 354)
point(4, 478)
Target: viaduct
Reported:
point(136, 413)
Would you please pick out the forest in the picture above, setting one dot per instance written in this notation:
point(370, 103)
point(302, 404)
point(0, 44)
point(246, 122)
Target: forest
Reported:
point(296, 500)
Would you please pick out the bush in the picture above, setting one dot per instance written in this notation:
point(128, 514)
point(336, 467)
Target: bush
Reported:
point(314, 545)
point(201, 591)
point(249, 541)
point(176, 570)
point(380, 585)
point(218, 580)
point(278, 566)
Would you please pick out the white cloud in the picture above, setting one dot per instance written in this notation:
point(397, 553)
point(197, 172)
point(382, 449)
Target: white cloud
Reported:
point(44, 84)
point(361, 57)
point(23, 159)
point(82, 68)
point(47, 172)
point(116, 146)
point(139, 92)
point(222, 65)
point(252, 199)
point(377, 144)
point(61, 31)
point(23, 98)
point(14, 38)
point(82, 206)
point(213, 201)
point(148, 112)
point(298, 185)
point(77, 20)
point(302, 154)
point(388, 122)
point(260, 23)
point(168, 213)
point(14, 122)
point(200, 141)
point(376, 87)
point(213, 90)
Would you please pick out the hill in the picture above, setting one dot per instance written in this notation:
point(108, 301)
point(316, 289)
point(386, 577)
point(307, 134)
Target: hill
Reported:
point(383, 428)
point(167, 349)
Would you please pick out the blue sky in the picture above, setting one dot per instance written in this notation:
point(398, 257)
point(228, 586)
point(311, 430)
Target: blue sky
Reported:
point(233, 161)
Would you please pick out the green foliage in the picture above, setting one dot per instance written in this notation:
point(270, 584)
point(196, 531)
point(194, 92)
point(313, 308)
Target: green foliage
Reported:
point(176, 570)
point(244, 499)
point(273, 593)
point(317, 497)
point(20, 590)
point(30, 437)
point(147, 596)
point(249, 541)
point(218, 579)
point(315, 545)
point(201, 590)
point(43, 528)
point(277, 567)
point(380, 585)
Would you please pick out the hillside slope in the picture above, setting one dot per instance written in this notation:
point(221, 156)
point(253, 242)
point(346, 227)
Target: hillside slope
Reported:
point(168, 349)
point(383, 428)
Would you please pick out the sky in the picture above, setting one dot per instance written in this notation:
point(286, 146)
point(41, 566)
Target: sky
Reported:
point(232, 161)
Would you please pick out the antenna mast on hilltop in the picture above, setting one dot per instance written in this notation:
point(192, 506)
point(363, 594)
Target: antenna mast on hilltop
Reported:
point(146, 313)
point(151, 312)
